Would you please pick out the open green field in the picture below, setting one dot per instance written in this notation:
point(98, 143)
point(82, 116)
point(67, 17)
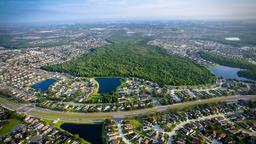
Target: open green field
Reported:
point(8, 125)
point(130, 57)
point(67, 116)
point(10, 103)
point(135, 123)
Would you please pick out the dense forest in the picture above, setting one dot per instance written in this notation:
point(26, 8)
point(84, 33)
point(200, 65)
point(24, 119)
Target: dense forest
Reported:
point(236, 62)
point(130, 58)
point(247, 74)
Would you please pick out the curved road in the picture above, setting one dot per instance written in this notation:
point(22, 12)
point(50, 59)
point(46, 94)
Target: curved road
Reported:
point(99, 116)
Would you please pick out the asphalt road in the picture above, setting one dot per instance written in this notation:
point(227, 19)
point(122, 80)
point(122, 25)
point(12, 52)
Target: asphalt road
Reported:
point(100, 116)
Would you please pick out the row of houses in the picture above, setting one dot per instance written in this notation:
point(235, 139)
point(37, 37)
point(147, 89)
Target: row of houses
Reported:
point(33, 130)
point(217, 130)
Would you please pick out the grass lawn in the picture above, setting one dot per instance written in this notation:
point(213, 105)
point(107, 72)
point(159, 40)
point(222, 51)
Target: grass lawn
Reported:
point(97, 86)
point(59, 123)
point(135, 123)
point(8, 126)
point(5, 101)
point(247, 121)
point(65, 115)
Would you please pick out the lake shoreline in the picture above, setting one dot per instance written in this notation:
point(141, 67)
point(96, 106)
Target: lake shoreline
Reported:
point(227, 72)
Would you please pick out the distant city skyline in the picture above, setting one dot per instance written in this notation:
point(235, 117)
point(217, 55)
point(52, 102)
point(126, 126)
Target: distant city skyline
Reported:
point(74, 11)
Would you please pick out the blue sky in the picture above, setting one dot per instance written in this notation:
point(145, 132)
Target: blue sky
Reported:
point(54, 11)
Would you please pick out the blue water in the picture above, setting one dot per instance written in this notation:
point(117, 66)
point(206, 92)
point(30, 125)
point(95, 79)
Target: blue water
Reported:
point(89, 132)
point(253, 62)
point(44, 85)
point(226, 72)
point(107, 85)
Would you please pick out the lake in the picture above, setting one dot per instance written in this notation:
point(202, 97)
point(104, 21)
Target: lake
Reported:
point(89, 132)
point(226, 72)
point(107, 85)
point(253, 62)
point(44, 85)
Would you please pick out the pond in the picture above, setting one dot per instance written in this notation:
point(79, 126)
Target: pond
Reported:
point(107, 85)
point(44, 85)
point(89, 132)
point(253, 62)
point(226, 72)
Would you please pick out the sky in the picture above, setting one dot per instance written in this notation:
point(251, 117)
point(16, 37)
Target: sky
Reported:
point(72, 11)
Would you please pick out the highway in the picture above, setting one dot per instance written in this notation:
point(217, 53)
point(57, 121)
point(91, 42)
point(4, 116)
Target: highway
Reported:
point(100, 116)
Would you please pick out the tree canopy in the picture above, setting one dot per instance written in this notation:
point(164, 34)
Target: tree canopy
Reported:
point(130, 58)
